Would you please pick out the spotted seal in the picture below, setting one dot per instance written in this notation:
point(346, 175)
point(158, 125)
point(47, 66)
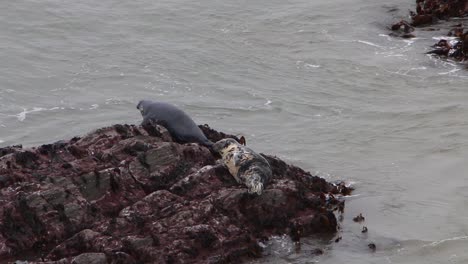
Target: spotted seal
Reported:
point(244, 164)
point(177, 122)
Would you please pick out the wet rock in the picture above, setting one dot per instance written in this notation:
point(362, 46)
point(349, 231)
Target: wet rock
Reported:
point(419, 20)
point(403, 29)
point(204, 235)
point(407, 36)
point(90, 258)
point(120, 257)
point(94, 185)
point(164, 155)
point(317, 251)
point(214, 135)
point(359, 218)
point(429, 12)
point(11, 149)
point(130, 194)
point(364, 229)
point(26, 158)
point(137, 243)
point(86, 240)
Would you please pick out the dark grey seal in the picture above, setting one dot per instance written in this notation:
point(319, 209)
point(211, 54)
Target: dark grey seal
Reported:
point(177, 122)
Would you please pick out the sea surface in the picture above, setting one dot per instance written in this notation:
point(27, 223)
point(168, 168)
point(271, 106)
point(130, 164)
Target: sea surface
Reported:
point(317, 83)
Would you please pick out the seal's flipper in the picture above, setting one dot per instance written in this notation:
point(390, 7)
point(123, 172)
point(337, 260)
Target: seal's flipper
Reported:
point(242, 140)
point(154, 122)
point(254, 184)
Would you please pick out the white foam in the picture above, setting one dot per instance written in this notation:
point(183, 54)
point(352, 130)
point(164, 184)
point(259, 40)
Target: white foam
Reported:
point(395, 55)
point(369, 43)
point(6, 91)
point(386, 36)
point(445, 37)
point(419, 68)
point(409, 42)
point(449, 72)
point(22, 116)
point(446, 240)
point(353, 195)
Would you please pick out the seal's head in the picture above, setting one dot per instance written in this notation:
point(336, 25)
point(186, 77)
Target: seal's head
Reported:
point(222, 144)
point(142, 106)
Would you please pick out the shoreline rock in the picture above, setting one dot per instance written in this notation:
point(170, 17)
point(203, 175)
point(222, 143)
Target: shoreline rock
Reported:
point(429, 12)
point(129, 194)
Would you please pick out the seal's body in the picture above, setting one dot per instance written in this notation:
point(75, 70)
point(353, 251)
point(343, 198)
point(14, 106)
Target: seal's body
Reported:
point(177, 122)
point(245, 165)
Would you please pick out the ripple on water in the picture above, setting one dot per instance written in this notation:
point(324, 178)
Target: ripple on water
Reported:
point(22, 116)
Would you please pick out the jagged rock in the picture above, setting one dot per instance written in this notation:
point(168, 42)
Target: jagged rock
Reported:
point(90, 258)
point(430, 12)
point(130, 194)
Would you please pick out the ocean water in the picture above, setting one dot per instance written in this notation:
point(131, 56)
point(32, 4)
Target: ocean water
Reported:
point(317, 83)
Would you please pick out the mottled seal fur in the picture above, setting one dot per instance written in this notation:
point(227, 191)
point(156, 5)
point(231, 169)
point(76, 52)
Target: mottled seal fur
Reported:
point(245, 165)
point(177, 122)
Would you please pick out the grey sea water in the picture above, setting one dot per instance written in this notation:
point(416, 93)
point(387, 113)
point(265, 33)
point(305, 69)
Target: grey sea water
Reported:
point(318, 83)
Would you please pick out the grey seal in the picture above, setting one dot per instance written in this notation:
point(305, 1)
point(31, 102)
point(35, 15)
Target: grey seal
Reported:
point(181, 127)
point(244, 164)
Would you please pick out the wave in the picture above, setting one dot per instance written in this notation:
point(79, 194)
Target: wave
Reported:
point(23, 114)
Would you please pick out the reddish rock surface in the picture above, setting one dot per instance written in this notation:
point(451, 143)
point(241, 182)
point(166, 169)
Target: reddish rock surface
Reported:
point(129, 194)
point(429, 12)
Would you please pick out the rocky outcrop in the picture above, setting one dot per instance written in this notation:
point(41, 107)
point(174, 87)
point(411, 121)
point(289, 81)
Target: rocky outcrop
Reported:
point(429, 12)
point(129, 194)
